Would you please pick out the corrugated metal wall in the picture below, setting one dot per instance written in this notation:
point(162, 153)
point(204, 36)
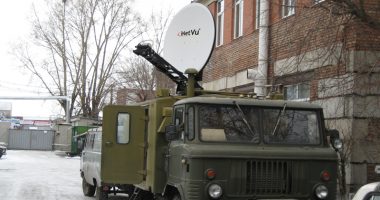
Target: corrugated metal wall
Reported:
point(4, 131)
point(31, 140)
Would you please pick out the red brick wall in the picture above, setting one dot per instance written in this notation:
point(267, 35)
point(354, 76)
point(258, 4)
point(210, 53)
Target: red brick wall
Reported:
point(311, 28)
point(212, 8)
point(230, 58)
point(275, 11)
point(235, 54)
point(249, 17)
point(121, 96)
point(228, 21)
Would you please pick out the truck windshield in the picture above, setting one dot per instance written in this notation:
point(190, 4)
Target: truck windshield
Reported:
point(290, 126)
point(229, 123)
point(234, 123)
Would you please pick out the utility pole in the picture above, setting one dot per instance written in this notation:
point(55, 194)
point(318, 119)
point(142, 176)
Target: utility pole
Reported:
point(64, 52)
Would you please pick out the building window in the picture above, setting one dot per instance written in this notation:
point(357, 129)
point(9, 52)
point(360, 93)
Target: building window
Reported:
point(318, 1)
point(288, 8)
point(238, 19)
point(258, 14)
point(299, 92)
point(220, 22)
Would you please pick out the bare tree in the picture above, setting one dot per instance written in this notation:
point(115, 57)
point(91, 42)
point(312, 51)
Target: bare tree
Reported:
point(362, 10)
point(159, 22)
point(139, 76)
point(80, 43)
point(333, 47)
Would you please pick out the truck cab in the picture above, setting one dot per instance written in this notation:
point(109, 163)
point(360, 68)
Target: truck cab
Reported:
point(237, 148)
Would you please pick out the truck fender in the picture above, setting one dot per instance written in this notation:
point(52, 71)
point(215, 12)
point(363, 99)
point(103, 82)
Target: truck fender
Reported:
point(176, 187)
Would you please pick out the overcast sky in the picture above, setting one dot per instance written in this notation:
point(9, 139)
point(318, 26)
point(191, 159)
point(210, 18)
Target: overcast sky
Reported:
point(15, 23)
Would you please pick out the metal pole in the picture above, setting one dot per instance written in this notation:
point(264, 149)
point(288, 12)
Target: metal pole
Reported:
point(67, 109)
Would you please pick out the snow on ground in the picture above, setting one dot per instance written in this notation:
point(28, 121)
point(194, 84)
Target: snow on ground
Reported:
point(40, 175)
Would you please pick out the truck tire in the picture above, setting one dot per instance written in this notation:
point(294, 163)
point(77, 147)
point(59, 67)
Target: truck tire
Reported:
point(88, 190)
point(1, 153)
point(176, 197)
point(100, 194)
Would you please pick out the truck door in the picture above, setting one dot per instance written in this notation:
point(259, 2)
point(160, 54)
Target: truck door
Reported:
point(122, 144)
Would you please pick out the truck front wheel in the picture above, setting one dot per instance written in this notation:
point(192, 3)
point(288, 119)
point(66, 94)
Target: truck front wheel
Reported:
point(88, 190)
point(176, 197)
point(100, 194)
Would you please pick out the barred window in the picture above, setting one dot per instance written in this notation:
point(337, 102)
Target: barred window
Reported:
point(288, 8)
point(318, 1)
point(220, 22)
point(238, 18)
point(300, 92)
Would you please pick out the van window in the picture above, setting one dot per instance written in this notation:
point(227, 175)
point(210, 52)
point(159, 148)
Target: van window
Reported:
point(98, 142)
point(89, 141)
point(123, 128)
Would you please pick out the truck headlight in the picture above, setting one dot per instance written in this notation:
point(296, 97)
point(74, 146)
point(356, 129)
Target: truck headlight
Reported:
point(321, 192)
point(337, 143)
point(215, 191)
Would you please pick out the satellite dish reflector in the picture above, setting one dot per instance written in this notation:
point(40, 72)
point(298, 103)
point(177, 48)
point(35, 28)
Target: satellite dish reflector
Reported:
point(190, 37)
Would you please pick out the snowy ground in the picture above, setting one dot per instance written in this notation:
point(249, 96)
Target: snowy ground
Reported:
point(40, 175)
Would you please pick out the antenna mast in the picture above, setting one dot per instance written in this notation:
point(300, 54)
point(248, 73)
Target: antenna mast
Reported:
point(165, 67)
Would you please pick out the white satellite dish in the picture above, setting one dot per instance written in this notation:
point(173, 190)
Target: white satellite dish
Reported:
point(190, 37)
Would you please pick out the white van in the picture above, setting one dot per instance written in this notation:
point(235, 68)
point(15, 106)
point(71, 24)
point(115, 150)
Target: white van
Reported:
point(90, 162)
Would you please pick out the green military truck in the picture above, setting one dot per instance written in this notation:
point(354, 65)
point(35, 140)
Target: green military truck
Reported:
point(203, 144)
point(218, 147)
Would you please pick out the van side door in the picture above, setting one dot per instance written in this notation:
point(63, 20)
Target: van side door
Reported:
point(122, 157)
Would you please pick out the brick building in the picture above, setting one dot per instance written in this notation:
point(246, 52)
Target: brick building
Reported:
point(322, 51)
point(126, 96)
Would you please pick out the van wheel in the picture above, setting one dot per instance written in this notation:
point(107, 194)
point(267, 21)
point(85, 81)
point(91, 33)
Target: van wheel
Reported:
point(100, 194)
point(88, 190)
point(176, 197)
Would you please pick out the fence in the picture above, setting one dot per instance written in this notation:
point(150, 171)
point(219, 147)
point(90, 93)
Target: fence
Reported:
point(31, 140)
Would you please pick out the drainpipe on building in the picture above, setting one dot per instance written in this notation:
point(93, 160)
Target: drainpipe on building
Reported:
point(260, 74)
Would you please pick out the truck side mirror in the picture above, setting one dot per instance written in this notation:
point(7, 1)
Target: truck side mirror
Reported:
point(171, 133)
point(335, 140)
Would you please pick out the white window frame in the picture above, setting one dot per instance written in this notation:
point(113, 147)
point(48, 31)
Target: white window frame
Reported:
point(318, 1)
point(238, 27)
point(288, 8)
point(219, 20)
point(257, 14)
point(297, 93)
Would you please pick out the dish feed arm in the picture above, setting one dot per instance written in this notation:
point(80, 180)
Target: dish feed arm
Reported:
point(163, 66)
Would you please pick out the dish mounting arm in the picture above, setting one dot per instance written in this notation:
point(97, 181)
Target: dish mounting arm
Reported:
point(164, 66)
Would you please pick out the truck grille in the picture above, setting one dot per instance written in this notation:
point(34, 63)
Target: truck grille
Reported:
point(268, 177)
